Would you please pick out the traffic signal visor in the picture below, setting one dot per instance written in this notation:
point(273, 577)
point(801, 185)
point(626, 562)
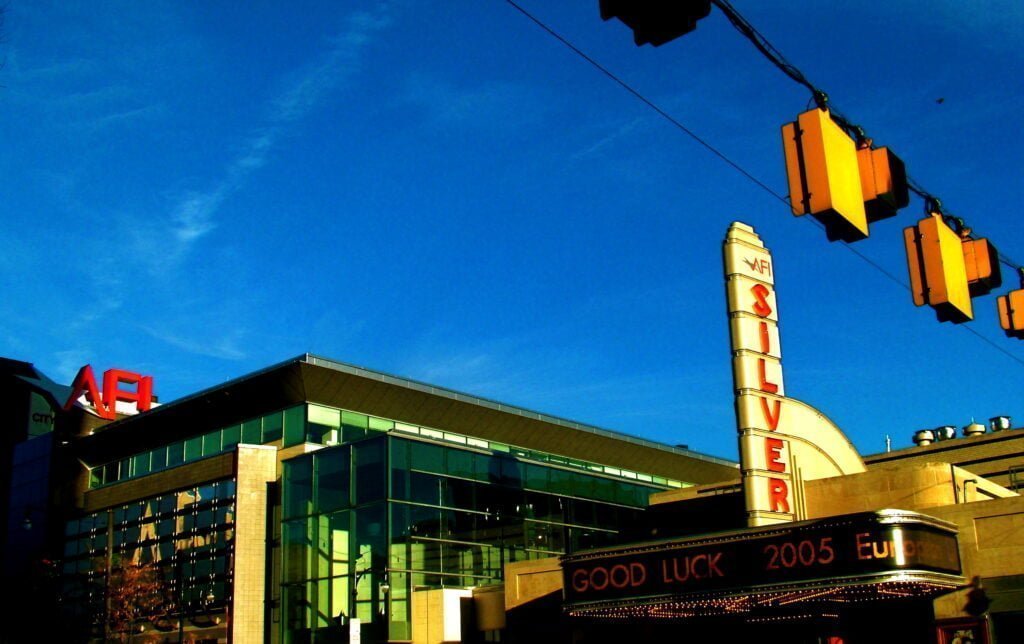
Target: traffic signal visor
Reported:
point(824, 177)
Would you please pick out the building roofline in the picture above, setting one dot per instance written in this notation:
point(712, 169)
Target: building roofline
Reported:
point(408, 383)
point(414, 385)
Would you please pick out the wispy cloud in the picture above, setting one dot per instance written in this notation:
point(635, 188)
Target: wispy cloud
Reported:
point(490, 104)
point(227, 347)
point(193, 214)
point(622, 131)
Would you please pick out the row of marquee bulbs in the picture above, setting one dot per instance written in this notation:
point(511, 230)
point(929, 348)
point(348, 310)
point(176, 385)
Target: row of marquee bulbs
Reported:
point(847, 185)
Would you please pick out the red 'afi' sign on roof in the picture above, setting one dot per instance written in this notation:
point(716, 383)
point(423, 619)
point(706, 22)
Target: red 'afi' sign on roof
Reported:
point(105, 402)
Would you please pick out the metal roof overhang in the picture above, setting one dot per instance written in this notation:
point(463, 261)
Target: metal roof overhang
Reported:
point(318, 380)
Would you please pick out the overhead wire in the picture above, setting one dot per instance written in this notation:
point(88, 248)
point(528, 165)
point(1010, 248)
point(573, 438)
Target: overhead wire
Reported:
point(932, 203)
point(790, 70)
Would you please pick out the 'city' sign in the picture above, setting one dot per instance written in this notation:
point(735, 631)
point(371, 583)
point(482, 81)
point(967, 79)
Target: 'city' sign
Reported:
point(112, 399)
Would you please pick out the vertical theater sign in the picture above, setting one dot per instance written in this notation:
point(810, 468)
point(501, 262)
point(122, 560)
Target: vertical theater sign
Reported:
point(783, 442)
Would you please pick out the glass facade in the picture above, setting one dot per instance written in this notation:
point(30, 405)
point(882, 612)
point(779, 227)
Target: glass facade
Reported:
point(324, 426)
point(289, 424)
point(368, 522)
point(168, 555)
point(387, 508)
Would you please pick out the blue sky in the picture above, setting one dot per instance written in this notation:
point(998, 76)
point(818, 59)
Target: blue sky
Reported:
point(444, 192)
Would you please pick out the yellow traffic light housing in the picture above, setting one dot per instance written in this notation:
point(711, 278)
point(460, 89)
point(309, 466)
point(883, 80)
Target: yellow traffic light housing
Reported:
point(883, 182)
point(1011, 313)
point(824, 177)
point(981, 259)
point(938, 274)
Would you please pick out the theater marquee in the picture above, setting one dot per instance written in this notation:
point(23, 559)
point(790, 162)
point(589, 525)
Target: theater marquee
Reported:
point(818, 557)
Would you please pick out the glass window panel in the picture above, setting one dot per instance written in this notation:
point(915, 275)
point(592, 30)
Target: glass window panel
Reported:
point(124, 469)
point(332, 479)
point(159, 459)
point(251, 432)
point(400, 484)
point(321, 434)
point(381, 424)
point(460, 463)
point(231, 436)
point(370, 478)
point(298, 487)
point(324, 416)
point(424, 522)
point(272, 427)
point(399, 454)
point(140, 464)
point(194, 448)
point(399, 523)
point(95, 477)
point(482, 464)
point(339, 596)
point(354, 426)
point(459, 493)
point(432, 433)
point(427, 457)
point(206, 493)
point(424, 488)
point(175, 454)
point(400, 628)
point(537, 477)
point(294, 425)
point(226, 489)
point(339, 534)
point(513, 472)
point(211, 443)
point(369, 547)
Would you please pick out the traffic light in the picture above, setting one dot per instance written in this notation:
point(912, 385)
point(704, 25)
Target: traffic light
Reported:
point(1011, 312)
point(981, 259)
point(656, 22)
point(824, 176)
point(883, 181)
point(938, 272)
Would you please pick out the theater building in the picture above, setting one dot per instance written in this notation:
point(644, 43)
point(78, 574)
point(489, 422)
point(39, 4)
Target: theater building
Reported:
point(810, 542)
point(315, 501)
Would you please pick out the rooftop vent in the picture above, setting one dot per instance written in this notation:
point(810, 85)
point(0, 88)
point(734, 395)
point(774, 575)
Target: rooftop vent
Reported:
point(945, 433)
point(924, 437)
point(999, 423)
point(974, 429)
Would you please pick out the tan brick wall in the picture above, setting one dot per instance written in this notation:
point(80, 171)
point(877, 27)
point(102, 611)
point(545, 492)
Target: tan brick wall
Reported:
point(988, 455)
point(257, 466)
point(901, 486)
point(529, 580)
point(991, 544)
